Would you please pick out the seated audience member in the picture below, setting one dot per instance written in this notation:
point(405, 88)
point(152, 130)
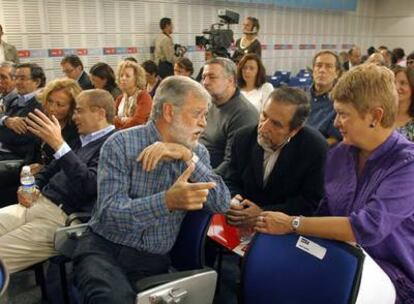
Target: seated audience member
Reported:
point(151, 75)
point(208, 54)
point(59, 100)
point(326, 70)
point(251, 79)
point(277, 165)
point(368, 189)
point(141, 203)
point(103, 77)
point(354, 56)
point(399, 57)
point(72, 67)
point(8, 91)
point(183, 67)
point(68, 184)
point(376, 58)
point(230, 111)
point(15, 141)
point(404, 81)
point(133, 107)
point(389, 58)
point(410, 61)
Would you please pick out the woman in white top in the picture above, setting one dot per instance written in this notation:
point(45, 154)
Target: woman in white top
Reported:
point(251, 79)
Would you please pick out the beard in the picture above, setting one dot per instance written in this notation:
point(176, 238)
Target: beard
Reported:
point(264, 143)
point(182, 133)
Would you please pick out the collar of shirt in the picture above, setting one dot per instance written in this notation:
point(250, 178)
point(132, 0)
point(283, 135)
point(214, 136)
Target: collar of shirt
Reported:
point(154, 134)
point(86, 139)
point(315, 97)
point(80, 76)
point(23, 99)
point(380, 150)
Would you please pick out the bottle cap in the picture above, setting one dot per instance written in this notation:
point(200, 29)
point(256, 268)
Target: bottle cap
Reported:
point(26, 170)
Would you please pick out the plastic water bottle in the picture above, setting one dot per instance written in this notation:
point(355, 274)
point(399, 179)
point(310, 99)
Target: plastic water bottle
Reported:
point(27, 181)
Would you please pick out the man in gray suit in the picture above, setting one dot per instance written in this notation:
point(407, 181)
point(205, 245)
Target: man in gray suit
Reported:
point(8, 52)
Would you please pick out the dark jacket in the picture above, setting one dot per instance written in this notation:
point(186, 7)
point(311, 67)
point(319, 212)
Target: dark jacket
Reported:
point(295, 185)
point(84, 82)
point(21, 145)
point(71, 180)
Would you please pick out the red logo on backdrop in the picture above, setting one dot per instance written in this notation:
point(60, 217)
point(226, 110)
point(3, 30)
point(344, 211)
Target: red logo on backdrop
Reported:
point(56, 53)
point(109, 51)
point(23, 53)
point(82, 52)
point(132, 50)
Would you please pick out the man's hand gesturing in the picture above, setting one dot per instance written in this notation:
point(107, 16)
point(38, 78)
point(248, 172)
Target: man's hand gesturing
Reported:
point(184, 195)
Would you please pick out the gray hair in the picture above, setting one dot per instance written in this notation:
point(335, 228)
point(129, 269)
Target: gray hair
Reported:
point(174, 90)
point(229, 67)
point(296, 97)
point(11, 65)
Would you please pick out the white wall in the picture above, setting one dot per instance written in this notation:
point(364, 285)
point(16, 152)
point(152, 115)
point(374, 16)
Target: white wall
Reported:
point(41, 25)
point(394, 24)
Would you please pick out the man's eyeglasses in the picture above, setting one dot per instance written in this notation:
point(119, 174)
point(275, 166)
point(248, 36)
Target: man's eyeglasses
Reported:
point(411, 61)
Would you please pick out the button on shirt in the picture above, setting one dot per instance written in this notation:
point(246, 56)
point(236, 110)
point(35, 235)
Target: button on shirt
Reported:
point(322, 115)
point(131, 208)
point(379, 203)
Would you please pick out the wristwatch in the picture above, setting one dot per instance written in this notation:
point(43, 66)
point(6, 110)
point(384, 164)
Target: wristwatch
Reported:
point(295, 223)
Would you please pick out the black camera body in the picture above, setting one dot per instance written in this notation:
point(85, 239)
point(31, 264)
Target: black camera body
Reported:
point(216, 38)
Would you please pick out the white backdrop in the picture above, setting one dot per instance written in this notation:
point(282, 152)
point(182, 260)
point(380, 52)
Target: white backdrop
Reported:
point(37, 26)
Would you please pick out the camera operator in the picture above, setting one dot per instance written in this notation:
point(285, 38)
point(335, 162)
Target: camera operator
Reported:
point(249, 42)
point(166, 54)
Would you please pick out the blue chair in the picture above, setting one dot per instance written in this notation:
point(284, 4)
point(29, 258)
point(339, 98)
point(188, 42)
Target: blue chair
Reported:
point(4, 278)
point(304, 74)
point(284, 76)
point(290, 269)
point(300, 82)
point(186, 254)
point(188, 250)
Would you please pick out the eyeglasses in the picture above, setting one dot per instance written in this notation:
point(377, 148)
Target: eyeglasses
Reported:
point(410, 61)
point(23, 77)
point(68, 71)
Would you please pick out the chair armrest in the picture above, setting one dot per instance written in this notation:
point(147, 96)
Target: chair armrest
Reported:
point(81, 216)
point(160, 279)
point(66, 238)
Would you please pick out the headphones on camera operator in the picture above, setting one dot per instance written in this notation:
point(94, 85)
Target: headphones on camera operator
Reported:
point(255, 26)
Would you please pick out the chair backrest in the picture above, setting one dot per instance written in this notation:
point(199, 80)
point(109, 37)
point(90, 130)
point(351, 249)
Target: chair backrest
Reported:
point(193, 287)
point(4, 278)
point(188, 250)
point(294, 269)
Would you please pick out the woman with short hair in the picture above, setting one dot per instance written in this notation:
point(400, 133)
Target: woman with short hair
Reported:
point(103, 77)
point(368, 185)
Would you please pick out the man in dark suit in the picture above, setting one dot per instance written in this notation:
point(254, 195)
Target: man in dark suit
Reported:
point(72, 67)
point(354, 55)
point(279, 164)
point(15, 140)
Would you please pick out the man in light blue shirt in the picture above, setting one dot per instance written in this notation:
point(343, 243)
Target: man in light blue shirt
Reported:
point(142, 202)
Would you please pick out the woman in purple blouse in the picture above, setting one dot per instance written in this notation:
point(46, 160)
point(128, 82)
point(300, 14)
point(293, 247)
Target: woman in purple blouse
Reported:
point(369, 193)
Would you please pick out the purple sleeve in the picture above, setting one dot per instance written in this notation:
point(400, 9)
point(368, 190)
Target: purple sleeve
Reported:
point(387, 208)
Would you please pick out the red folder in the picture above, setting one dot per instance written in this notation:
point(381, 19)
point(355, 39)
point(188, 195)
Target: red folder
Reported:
point(226, 235)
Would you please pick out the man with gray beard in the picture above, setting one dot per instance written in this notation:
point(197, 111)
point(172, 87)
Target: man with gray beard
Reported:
point(142, 201)
point(279, 164)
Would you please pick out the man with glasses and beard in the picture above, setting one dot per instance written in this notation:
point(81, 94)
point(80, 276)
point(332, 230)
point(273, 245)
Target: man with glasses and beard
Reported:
point(148, 178)
point(279, 164)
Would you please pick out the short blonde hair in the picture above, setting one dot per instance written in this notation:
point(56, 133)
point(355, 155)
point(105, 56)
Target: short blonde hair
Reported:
point(69, 86)
point(139, 73)
point(367, 86)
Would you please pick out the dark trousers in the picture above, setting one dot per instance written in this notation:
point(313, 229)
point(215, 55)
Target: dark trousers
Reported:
point(105, 272)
